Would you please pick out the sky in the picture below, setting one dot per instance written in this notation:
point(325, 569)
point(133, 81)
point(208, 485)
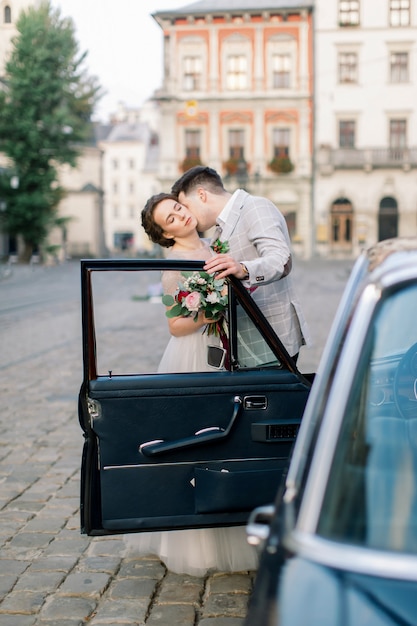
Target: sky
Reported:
point(124, 45)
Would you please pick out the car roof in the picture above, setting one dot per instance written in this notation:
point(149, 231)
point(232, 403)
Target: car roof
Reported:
point(378, 253)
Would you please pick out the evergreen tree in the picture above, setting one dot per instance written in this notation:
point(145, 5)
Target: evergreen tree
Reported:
point(45, 110)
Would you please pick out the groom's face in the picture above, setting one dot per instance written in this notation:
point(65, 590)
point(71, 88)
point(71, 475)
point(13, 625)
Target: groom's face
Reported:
point(196, 202)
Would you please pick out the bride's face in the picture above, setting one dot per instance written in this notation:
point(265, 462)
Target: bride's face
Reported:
point(174, 218)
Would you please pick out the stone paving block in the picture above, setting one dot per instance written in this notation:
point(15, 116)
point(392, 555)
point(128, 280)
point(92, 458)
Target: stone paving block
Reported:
point(20, 554)
point(15, 516)
point(60, 607)
point(13, 567)
point(66, 547)
point(54, 563)
point(23, 602)
point(31, 540)
point(170, 615)
point(19, 620)
point(86, 584)
point(39, 581)
point(62, 622)
point(230, 583)
point(109, 564)
point(121, 612)
point(7, 582)
point(225, 605)
point(9, 529)
point(21, 504)
point(182, 579)
point(43, 524)
point(108, 547)
point(73, 535)
point(69, 490)
point(73, 523)
point(221, 621)
point(144, 567)
point(173, 593)
point(66, 506)
point(133, 588)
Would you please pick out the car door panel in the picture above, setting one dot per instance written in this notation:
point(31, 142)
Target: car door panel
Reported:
point(168, 451)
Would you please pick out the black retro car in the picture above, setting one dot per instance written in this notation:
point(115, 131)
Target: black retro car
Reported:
point(339, 547)
point(180, 450)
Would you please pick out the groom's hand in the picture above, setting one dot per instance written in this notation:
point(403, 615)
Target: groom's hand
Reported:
point(223, 265)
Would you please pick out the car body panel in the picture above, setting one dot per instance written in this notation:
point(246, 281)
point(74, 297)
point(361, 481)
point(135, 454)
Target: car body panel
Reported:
point(342, 543)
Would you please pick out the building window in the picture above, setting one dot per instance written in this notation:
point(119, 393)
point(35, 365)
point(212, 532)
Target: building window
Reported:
point(349, 12)
point(237, 144)
point(192, 74)
point(237, 72)
point(131, 211)
point(397, 139)
point(399, 12)
point(115, 164)
point(398, 133)
point(115, 211)
point(399, 67)
point(387, 218)
point(281, 142)
point(281, 71)
point(341, 217)
point(348, 67)
point(192, 140)
point(115, 188)
point(131, 188)
point(192, 144)
point(346, 134)
point(131, 164)
point(7, 15)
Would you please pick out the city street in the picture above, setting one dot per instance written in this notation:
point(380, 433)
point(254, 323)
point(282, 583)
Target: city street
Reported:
point(50, 574)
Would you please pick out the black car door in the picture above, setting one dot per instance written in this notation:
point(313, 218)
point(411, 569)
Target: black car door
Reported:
point(177, 450)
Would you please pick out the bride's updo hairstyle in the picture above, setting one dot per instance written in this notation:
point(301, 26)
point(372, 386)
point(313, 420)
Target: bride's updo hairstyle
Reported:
point(151, 228)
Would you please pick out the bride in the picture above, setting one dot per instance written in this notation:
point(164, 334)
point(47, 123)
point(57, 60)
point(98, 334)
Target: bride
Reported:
point(172, 226)
point(195, 551)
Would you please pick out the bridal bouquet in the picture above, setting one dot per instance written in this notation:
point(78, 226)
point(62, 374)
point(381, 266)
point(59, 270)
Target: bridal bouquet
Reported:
point(200, 291)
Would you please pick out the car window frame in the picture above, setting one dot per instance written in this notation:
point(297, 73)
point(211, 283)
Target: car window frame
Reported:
point(89, 266)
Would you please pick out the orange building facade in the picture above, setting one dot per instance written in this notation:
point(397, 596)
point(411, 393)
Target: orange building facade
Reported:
point(237, 95)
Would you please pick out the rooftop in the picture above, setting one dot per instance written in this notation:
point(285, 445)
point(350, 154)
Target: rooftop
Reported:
point(204, 7)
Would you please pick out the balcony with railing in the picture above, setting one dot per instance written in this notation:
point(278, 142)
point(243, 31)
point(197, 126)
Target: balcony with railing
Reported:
point(329, 159)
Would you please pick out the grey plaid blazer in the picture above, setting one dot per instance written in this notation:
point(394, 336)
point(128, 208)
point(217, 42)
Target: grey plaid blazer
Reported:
point(258, 237)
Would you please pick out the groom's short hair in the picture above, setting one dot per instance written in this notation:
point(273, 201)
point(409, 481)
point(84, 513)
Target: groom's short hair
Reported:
point(198, 176)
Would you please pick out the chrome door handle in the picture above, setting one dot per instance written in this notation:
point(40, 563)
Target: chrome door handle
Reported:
point(255, 402)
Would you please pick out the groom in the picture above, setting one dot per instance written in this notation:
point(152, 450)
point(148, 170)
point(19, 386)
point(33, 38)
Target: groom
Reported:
point(259, 243)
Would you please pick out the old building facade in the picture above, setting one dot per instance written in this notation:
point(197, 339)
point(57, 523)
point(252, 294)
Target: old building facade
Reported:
point(310, 103)
point(9, 14)
point(130, 160)
point(237, 95)
point(366, 123)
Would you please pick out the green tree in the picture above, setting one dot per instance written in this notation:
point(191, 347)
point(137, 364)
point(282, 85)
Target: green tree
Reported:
point(45, 111)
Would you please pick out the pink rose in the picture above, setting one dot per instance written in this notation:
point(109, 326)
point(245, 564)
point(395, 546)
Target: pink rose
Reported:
point(192, 301)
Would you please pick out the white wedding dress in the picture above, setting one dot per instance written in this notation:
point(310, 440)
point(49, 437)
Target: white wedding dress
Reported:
point(193, 551)
point(188, 353)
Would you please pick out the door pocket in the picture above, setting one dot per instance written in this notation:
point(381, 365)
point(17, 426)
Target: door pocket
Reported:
point(223, 490)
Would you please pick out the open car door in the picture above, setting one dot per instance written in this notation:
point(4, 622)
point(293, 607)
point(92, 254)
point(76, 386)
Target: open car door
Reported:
point(178, 450)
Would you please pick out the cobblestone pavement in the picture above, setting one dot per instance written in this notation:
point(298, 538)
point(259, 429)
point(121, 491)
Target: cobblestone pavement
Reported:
point(49, 573)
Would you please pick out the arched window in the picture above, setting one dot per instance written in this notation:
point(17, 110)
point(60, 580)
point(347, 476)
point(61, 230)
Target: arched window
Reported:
point(7, 14)
point(387, 218)
point(341, 216)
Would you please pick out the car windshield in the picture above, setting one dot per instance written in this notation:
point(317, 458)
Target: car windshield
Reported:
point(371, 495)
